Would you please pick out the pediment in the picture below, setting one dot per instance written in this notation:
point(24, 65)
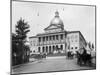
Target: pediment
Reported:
point(52, 27)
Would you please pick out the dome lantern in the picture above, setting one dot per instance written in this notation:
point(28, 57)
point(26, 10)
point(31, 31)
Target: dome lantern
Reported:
point(56, 14)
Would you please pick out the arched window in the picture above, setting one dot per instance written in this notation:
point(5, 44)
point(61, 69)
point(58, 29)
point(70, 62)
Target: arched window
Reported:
point(43, 49)
point(46, 48)
point(56, 47)
point(49, 49)
point(61, 46)
point(53, 48)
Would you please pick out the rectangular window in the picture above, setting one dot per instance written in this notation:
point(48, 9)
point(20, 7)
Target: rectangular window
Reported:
point(53, 37)
point(43, 38)
point(39, 39)
point(61, 36)
point(50, 37)
point(38, 49)
point(46, 38)
point(56, 37)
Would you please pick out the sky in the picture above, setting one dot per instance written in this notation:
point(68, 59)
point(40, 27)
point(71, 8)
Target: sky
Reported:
point(39, 15)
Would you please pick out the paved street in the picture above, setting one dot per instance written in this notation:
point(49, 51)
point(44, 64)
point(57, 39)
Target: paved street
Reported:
point(49, 64)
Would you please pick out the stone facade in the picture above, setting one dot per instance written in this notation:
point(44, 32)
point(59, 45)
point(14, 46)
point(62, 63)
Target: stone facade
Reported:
point(56, 39)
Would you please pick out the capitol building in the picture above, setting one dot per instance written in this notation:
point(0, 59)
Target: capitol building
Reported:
point(56, 39)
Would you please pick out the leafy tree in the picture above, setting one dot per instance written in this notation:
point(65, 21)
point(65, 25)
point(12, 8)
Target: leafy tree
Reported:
point(14, 49)
point(19, 40)
point(22, 28)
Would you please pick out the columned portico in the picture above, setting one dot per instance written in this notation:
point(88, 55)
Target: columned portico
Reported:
point(53, 40)
point(56, 39)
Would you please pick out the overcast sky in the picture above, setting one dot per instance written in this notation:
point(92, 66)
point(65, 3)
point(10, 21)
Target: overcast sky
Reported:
point(39, 15)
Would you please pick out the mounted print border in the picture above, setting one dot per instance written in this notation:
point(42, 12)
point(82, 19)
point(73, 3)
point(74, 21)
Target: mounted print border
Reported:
point(52, 37)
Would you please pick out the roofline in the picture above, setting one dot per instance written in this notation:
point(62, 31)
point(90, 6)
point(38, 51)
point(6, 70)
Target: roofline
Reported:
point(46, 34)
point(83, 37)
point(33, 37)
point(52, 28)
point(72, 32)
point(50, 33)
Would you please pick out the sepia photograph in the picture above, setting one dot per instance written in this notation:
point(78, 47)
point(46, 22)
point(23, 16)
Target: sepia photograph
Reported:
point(52, 37)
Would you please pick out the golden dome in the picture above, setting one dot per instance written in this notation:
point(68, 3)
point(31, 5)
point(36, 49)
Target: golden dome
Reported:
point(56, 20)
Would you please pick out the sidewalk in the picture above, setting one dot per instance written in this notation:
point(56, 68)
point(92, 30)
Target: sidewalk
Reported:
point(57, 57)
point(23, 64)
point(33, 60)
